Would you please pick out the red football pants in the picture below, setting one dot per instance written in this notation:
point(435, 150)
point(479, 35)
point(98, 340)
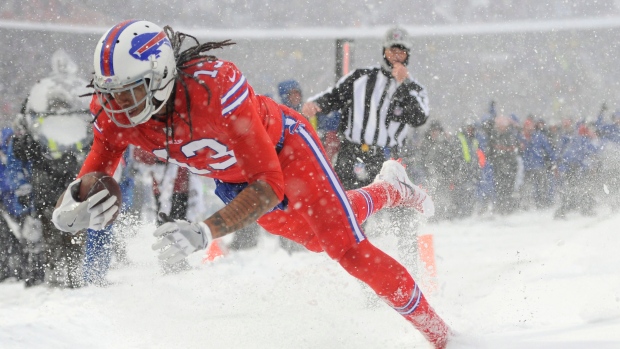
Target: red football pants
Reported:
point(323, 217)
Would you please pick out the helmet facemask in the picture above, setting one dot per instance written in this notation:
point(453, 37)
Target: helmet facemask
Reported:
point(140, 94)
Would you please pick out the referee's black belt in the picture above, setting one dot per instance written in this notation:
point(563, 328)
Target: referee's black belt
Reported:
point(363, 148)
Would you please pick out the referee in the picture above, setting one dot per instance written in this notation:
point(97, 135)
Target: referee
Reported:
point(379, 105)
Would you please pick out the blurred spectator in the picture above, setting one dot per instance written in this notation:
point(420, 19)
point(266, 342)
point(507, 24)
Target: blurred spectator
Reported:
point(468, 178)
point(539, 160)
point(502, 154)
point(576, 169)
point(291, 96)
point(609, 135)
point(440, 158)
point(52, 134)
point(170, 189)
point(485, 192)
point(15, 206)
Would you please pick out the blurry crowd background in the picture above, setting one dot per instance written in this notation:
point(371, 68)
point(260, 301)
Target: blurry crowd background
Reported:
point(549, 141)
point(552, 73)
point(502, 164)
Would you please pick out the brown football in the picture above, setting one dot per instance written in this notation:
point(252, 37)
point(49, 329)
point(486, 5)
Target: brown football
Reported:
point(95, 182)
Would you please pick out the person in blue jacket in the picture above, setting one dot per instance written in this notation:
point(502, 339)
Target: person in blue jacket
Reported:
point(485, 191)
point(53, 134)
point(609, 136)
point(21, 242)
point(291, 96)
point(576, 162)
point(539, 159)
point(608, 131)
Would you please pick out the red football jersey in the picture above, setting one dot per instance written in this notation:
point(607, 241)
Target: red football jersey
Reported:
point(219, 128)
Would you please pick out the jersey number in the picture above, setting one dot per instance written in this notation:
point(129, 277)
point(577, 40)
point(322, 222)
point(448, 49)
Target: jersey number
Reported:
point(191, 149)
point(211, 73)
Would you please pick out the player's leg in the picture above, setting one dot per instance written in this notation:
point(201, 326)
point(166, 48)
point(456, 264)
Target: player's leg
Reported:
point(392, 188)
point(389, 191)
point(384, 275)
point(317, 200)
point(368, 200)
point(393, 283)
point(292, 226)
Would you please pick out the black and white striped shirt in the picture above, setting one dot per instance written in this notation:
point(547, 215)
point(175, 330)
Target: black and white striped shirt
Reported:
point(375, 109)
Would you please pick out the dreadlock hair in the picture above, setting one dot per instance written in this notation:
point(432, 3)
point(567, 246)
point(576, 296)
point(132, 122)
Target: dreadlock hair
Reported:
point(196, 51)
point(91, 84)
point(187, 58)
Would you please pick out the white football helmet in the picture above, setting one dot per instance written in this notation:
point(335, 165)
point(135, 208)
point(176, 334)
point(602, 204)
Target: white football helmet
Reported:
point(132, 55)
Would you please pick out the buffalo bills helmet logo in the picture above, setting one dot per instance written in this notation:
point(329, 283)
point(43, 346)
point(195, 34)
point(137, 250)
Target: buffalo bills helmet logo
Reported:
point(145, 45)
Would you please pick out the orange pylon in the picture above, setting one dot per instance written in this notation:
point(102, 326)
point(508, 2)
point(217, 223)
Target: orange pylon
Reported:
point(213, 252)
point(426, 250)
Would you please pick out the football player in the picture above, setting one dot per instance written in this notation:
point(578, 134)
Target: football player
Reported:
point(200, 112)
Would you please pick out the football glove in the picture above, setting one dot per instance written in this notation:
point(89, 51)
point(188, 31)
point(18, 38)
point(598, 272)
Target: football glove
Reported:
point(72, 216)
point(181, 238)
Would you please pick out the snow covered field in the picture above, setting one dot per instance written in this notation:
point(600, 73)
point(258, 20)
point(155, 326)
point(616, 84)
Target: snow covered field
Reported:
point(522, 281)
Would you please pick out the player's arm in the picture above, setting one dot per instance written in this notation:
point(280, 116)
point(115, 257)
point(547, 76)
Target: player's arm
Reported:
point(101, 158)
point(259, 162)
point(181, 238)
point(334, 98)
point(412, 99)
point(256, 156)
point(71, 215)
point(253, 202)
point(104, 154)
